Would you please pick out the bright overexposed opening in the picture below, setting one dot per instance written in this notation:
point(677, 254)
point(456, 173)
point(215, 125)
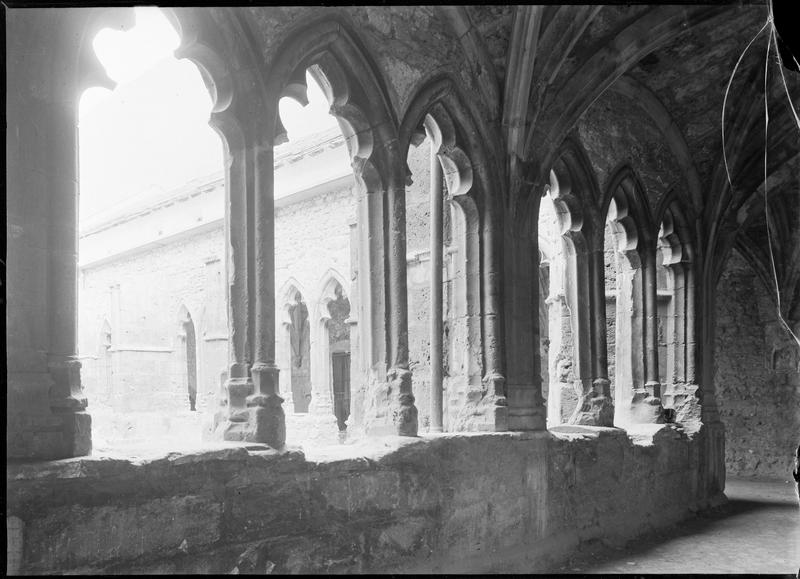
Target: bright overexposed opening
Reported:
point(139, 147)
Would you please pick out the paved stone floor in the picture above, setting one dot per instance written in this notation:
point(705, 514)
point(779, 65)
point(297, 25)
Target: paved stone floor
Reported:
point(758, 531)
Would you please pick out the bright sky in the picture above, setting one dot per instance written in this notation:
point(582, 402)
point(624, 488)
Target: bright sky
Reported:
point(151, 133)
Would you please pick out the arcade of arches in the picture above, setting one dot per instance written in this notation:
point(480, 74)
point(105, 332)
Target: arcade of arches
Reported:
point(572, 334)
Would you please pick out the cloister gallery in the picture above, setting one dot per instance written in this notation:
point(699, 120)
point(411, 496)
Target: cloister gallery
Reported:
point(552, 298)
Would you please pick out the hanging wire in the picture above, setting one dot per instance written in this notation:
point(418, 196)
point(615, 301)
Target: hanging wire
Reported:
point(772, 35)
point(725, 98)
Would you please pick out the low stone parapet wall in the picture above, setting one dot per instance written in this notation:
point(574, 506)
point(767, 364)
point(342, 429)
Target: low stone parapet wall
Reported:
point(511, 502)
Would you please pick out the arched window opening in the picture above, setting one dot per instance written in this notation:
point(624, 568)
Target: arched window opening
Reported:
point(316, 221)
point(632, 281)
point(441, 238)
point(555, 319)
point(150, 221)
point(676, 314)
point(624, 306)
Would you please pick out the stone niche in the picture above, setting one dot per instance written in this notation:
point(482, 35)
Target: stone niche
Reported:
point(483, 502)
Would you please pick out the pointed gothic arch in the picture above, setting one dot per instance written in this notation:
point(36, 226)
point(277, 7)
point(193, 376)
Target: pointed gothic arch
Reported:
point(331, 344)
point(575, 194)
point(331, 51)
point(631, 260)
point(437, 110)
point(677, 310)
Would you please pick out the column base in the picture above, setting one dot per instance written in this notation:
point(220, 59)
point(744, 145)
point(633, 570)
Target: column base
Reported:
point(594, 410)
point(646, 408)
point(683, 399)
point(265, 425)
point(712, 459)
point(378, 398)
point(77, 435)
point(68, 406)
point(404, 412)
point(255, 413)
point(485, 410)
point(526, 409)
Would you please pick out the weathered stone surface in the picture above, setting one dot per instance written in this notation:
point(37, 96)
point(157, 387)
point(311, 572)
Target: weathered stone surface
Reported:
point(157, 527)
point(429, 503)
point(759, 399)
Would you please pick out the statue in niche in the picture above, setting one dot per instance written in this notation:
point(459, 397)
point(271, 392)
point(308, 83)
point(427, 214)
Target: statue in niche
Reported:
point(298, 314)
point(299, 344)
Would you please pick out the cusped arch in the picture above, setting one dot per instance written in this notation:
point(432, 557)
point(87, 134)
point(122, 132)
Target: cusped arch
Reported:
point(574, 192)
point(438, 109)
point(228, 72)
point(334, 56)
point(675, 233)
point(184, 316)
point(286, 298)
point(625, 207)
point(327, 291)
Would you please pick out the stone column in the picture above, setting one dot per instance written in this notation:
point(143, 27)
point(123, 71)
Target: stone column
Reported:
point(690, 409)
point(691, 336)
point(600, 405)
point(638, 394)
point(493, 337)
point(371, 403)
point(404, 412)
point(321, 387)
point(579, 297)
point(526, 409)
point(233, 415)
point(66, 395)
point(265, 403)
point(437, 325)
point(676, 363)
point(260, 404)
point(650, 309)
point(633, 404)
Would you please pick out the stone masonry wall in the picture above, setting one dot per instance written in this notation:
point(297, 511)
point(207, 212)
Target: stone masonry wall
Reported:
point(499, 502)
point(148, 364)
point(757, 377)
point(144, 370)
